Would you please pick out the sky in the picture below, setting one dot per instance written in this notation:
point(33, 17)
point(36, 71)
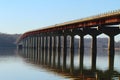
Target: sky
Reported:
point(19, 16)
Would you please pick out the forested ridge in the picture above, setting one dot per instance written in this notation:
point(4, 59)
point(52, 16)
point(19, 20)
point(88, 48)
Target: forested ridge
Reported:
point(8, 40)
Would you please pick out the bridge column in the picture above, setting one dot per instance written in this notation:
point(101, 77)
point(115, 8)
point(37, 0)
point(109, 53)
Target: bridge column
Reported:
point(39, 48)
point(81, 53)
point(29, 47)
point(32, 48)
point(94, 51)
point(42, 50)
point(25, 47)
point(46, 52)
point(72, 55)
point(111, 52)
point(64, 53)
point(50, 50)
point(54, 47)
point(23, 44)
point(59, 51)
point(35, 48)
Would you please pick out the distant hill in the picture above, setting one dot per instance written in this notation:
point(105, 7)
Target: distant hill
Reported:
point(8, 40)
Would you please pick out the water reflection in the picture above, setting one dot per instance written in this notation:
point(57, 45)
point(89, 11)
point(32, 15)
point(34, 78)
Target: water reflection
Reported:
point(7, 51)
point(14, 67)
point(61, 64)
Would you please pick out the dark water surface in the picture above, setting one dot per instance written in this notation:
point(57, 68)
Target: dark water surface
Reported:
point(15, 67)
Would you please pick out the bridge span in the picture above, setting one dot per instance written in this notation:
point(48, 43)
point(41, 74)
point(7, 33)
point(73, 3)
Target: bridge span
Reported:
point(47, 39)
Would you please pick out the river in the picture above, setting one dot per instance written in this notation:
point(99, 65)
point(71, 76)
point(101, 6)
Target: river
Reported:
point(16, 67)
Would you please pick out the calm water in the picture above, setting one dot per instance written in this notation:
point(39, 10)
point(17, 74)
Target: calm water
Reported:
point(15, 67)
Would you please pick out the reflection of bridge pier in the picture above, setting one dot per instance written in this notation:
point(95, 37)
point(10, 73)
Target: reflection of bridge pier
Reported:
point(45, 42)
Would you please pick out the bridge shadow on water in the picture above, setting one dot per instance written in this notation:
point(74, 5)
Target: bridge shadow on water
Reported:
point(72, 67)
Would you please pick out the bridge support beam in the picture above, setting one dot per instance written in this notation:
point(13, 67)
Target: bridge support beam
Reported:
point(64, 53)
point(45, 50)
point(50, 50)
point(32, 48)
point(42, 50)
point(36, 48)
point(111, 52)
point(53, 51)
point(46, 58)
point(81, 54)
point(39, 40)
point(94, 52)
point(72, 56)
point(59, 51)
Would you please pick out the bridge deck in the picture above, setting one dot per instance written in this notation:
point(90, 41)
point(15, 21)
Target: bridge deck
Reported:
point(112, 17)
point(91, 18)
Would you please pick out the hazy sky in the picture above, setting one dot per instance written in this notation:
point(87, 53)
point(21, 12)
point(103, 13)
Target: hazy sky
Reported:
point(19, 16)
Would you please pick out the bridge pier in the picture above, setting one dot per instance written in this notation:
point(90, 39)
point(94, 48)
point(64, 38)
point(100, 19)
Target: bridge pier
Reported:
point(94, 51)
point(59, 51)
point(111, 52)
point(32, 48)
point(42, 50)
point(72, 56)
point(25, 47)
point(35, 49)
point(45, 50)
point(64, 53)
point(50, 50)
point(81, 54)
point(53, 51)
point(38, 50)
point(48, 45)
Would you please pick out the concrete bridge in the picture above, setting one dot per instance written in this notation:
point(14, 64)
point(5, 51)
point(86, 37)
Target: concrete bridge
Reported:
point(49, 39)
